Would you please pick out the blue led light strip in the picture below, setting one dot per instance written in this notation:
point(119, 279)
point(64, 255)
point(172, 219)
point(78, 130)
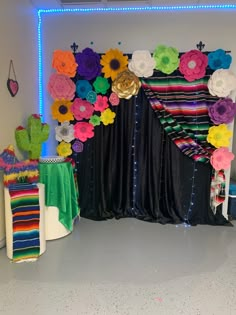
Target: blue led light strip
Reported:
point(40, 70)
point(150, 8)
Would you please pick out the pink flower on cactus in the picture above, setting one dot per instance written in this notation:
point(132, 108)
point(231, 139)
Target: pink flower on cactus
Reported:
point(101, 103)
point(61, 86)
point(83, 131)
point(193, 65)
point(114, 99)
point(221, 159)
point(82, 109)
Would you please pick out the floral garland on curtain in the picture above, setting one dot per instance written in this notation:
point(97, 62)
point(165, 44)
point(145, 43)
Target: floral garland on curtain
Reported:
point(86, 86)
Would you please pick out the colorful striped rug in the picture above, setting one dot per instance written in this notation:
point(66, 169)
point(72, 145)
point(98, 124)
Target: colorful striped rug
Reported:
point(25, 220)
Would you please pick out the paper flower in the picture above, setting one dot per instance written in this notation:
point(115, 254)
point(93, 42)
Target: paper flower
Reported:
point(193, 65)
point(78, 146)
point(126, 84)
point(107, 117)
point(64, 62)
point(221, 83)
point(221, 159)
point(95, 120)
point(219, 136)
point(61, 110)
point(142, 64)
point(113, 62)
point(65, 132)
point(166, 58)
point(64, 149)
point(61, 86)
point(83, 131)
point(223, 111)
point(91, 97)
point(101, 103)
point(83, 87)
point(101, 85)
point(114, 99)
point(218, 59)
point(82, 109)
point(88, 64)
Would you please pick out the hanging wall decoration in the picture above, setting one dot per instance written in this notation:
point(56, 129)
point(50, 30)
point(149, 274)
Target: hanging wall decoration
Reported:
point(190, 92)
point(12, 83)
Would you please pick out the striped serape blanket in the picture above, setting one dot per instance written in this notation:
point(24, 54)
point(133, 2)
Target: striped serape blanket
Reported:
point(25, 219)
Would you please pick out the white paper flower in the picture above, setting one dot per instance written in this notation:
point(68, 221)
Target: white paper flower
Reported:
point(221, 83)
point(142, 63)
point(65, 132)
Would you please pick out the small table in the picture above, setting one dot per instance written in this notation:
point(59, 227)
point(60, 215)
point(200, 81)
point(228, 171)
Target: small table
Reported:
point(60, 192)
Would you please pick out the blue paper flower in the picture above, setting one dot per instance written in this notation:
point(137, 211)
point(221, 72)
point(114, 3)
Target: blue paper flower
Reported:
point(91, 97)
point(219, 60)
point(82, 88)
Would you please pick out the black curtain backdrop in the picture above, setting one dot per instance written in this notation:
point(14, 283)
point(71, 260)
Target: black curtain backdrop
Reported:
point(133, 169)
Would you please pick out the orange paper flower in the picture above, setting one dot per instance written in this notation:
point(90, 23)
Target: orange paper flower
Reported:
point(64, 62)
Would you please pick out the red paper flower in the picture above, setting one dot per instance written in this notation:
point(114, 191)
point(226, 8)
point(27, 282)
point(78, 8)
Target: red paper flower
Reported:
point(221, 159)
point(61, 86)
point(193, 65)
point(101, 103)
point(83, 131)
point(82, 109)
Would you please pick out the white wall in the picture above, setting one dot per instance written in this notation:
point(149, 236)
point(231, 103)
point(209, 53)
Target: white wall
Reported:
point(18, 33)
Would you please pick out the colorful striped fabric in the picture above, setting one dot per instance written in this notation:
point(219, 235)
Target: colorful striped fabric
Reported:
point(25, 220)
point(182, 108)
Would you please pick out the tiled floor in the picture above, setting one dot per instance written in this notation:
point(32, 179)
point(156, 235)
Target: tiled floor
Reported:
point(126, 267)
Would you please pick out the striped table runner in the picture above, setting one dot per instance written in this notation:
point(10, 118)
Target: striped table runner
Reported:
point(25, 219)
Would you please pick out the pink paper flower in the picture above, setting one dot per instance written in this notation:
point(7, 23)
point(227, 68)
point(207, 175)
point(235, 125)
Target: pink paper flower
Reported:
point(83, 131)
point(193, 65)
point(221, 159)
point(101, 103)
point(114, 99)
point(82, 109)
point(60, 87)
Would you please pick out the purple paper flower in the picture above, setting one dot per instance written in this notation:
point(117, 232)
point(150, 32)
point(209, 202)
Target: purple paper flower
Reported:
point(223, 111)
point(88, 64)
point(78, 146)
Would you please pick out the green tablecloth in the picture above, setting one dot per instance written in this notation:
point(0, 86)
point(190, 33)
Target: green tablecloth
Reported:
point(60, 190)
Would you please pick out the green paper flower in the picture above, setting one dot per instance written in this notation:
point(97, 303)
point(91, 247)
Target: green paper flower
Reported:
point(167, 59)
point(95, 120)
point(101, 85)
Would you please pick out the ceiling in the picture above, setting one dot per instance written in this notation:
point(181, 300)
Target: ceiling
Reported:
point(62, 4)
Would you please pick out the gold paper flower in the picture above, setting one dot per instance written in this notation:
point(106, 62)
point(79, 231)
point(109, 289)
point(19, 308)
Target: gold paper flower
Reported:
point(113, 63)
point(64, 62)
point(219, 136)
point(126, 84)
point(61, 110)
point(64, 149)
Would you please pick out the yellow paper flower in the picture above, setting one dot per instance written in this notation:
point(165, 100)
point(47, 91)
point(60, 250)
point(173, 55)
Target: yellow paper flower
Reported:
point(126, 84)
point(64, 62)
point(219, 136)
point(107, 117)
point(113, 63)
point(64, 149)
point(61, 110)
